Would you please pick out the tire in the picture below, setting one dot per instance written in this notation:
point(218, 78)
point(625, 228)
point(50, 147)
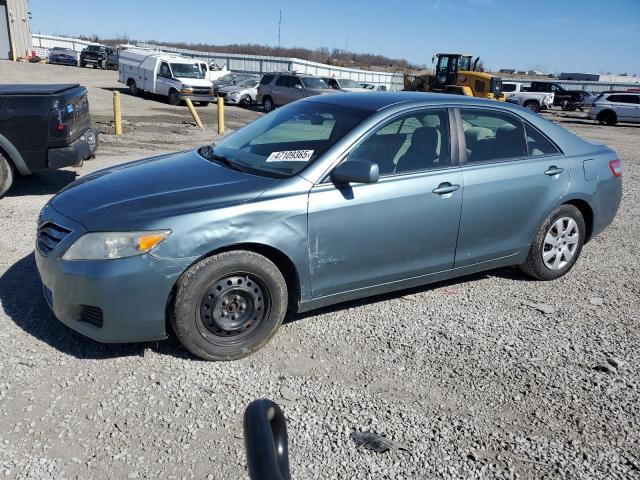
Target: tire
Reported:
point(6, 175)
point(174, 98)
point(267, 104)
point(246, 101)
point(256, 299)
point(557, 244)
point(103, 64)
point(82, 64)
point(532, 105)
point(608, 117)
point(203, 104)
point(133, 88)
point(565, 105)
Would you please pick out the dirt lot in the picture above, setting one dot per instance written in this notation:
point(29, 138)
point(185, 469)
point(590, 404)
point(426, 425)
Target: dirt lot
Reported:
point(489, 376)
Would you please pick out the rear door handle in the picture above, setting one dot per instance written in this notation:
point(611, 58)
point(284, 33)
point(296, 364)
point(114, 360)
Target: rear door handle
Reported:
point(445, 188)
point(554, 171)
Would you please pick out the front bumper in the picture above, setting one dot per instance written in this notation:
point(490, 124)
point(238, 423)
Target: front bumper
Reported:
point(198, 98)
point(129, 295)
point(75, 153)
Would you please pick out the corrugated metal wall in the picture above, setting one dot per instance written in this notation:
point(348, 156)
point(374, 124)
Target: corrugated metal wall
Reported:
point(243, 63)
point(19, 29)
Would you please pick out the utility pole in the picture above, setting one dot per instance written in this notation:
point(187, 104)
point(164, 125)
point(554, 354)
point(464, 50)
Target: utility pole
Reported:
point(279, 28)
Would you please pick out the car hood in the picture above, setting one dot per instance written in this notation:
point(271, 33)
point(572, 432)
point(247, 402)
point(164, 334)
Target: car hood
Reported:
point(233, 88)
point(194, 82)
point(354, 89)
point(126, 196)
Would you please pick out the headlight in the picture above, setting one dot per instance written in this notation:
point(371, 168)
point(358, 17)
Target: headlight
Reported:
point(235, 92)
point(111, 245)
point(186, 90)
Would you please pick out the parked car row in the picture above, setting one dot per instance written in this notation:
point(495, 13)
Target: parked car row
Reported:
point(97, 56)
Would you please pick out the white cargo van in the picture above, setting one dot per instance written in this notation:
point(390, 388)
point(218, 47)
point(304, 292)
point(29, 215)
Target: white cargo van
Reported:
point(166, 74)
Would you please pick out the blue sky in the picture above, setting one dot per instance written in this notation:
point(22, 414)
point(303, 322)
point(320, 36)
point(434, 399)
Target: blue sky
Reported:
point(554, 35)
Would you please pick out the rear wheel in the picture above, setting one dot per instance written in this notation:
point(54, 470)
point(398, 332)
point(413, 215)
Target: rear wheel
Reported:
point(557, 245)
point(229, 305)
point(82, 64)
point(6, 175)
point(532, 105)
point(133, 88)
point(174, 97)
point(267, 104)
point(607, 117)
point(203, 104)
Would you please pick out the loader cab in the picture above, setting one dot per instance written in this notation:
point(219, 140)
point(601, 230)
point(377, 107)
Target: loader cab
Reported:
point(447, 68)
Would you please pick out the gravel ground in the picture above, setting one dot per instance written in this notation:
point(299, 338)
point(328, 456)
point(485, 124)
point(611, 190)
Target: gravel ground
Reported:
point(488, 376)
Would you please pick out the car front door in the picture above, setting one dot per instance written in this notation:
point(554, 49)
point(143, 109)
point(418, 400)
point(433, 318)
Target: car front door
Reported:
point(512, 176)
point(403, 226)
point(163, 81)
point(280, 90)
point(296, 89)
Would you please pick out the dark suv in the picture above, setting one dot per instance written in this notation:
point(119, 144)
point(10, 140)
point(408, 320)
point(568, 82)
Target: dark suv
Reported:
point(277, 89)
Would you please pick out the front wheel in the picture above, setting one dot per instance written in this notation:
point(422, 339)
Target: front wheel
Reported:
point(229, 305)
point(246, 101)
point(557, 245)
point(174, 98)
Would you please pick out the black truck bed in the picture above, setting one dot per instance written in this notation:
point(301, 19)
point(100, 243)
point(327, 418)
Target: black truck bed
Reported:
point(36, 89)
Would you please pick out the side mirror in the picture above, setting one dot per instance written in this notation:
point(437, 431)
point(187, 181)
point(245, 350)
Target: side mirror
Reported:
point(356, 171)
point(298, 86)
point(266, 442)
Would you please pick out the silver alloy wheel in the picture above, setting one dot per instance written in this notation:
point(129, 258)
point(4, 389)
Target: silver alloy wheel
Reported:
point(560, 243)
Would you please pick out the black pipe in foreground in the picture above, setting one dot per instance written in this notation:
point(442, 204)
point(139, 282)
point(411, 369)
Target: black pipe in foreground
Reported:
point(266, 442)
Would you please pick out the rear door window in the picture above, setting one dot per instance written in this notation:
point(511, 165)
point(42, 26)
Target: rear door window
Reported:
point(492, 136)
point(283, 81)
point(508, 87)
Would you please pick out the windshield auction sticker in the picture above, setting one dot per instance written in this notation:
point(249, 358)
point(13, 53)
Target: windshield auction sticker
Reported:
point(291, 156)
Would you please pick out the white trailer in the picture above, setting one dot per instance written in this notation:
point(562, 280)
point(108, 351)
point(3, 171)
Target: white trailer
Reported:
point(172, 76)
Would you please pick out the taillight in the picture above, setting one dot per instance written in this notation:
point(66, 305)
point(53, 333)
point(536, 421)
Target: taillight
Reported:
point(616, 167)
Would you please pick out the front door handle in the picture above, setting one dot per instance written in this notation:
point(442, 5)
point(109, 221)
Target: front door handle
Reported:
point(445, 188)
point(554, 171)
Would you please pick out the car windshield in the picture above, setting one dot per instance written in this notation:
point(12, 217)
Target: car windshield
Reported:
point(186, 70)
point(248, 82)
point(95, 48)
point(313, 82)
point(348, 83)
point(286, 141)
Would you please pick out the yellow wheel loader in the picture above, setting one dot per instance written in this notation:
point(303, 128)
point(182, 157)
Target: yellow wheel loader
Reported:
point(457, 74)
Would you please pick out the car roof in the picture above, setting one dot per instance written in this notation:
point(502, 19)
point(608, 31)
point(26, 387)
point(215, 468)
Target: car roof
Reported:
point(380, 100)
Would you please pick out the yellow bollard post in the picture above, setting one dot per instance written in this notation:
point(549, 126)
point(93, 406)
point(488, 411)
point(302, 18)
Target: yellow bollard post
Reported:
point(220, 115)
point(117, 114)
point(194, 114)
point(13, 51)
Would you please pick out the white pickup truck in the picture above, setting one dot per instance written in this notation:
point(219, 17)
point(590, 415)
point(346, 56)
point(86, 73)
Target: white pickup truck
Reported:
point(534, 101)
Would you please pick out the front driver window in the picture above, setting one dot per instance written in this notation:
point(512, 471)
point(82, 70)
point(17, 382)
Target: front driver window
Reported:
point(412, 143)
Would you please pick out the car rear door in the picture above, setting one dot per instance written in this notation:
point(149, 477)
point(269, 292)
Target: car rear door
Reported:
point(401, 227)
point(512, 176)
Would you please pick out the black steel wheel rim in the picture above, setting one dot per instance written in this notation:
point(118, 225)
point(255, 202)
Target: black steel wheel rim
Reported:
point(233, 306)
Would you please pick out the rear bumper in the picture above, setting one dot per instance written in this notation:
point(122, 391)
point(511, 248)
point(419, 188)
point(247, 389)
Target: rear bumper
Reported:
point(75, 153)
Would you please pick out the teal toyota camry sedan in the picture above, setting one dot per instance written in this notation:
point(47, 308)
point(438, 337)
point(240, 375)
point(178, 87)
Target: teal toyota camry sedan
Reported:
point(326, 200)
